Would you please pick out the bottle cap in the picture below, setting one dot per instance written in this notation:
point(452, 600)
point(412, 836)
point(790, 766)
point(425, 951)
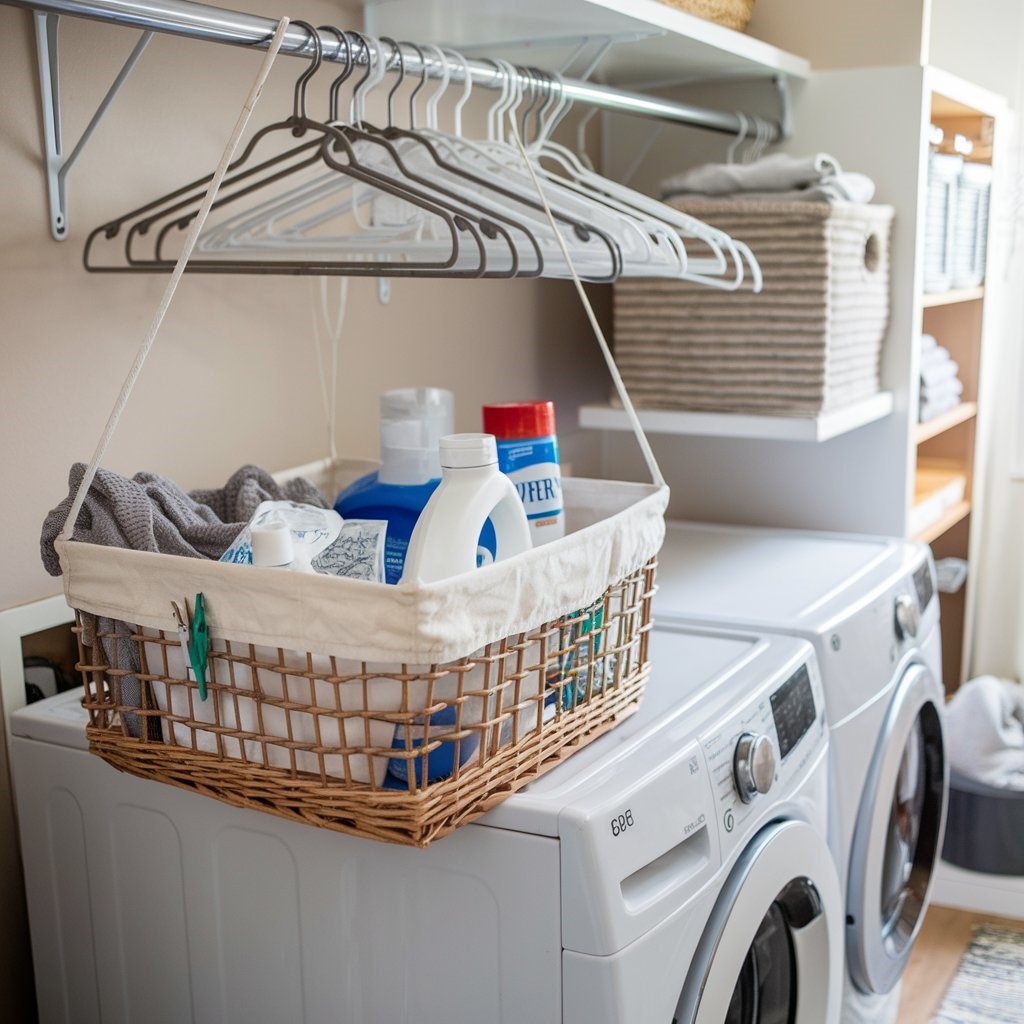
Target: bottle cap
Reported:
point(272, 544)
point(412, 422)
point(514, 421)
point(468, 451)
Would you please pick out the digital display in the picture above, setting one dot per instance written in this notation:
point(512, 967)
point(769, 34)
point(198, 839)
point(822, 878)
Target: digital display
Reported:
point(793, 709)
point(923, 586)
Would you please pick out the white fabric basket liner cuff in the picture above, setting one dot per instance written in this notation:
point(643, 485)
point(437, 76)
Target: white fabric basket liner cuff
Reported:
point(613, 528)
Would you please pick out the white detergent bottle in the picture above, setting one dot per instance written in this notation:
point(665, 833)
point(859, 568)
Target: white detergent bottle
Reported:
point(472, 489)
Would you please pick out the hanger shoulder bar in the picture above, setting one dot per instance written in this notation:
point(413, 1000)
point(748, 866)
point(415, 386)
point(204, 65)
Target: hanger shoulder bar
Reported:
point(202, 21)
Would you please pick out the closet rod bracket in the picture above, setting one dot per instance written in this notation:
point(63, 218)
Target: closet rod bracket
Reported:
point(57, 165)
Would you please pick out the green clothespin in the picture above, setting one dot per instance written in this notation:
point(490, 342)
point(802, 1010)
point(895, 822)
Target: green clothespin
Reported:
point(199, 645)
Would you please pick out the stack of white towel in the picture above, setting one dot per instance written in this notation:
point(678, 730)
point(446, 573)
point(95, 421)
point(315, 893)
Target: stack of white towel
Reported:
point(941, 388)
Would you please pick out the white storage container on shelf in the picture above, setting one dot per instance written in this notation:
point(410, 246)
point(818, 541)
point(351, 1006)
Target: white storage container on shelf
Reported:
point(970, 234)
point(940, 220)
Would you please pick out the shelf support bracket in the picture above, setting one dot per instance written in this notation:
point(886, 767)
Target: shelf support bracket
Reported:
point(785, 99)
point(57, 165)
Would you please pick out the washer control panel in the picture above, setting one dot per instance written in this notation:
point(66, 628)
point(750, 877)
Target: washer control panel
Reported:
point(761, 744)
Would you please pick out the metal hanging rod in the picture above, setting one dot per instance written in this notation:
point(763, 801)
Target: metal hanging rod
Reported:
point(201, 21)
point(214, 24)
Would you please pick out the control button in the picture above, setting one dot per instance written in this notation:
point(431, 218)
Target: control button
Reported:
point(908, 617)
point(753, 765)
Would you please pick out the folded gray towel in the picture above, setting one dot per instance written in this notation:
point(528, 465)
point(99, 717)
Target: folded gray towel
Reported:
point(778, 172)
point(778, 176)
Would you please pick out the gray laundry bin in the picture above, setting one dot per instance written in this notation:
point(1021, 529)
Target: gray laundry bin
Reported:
point(984, 827)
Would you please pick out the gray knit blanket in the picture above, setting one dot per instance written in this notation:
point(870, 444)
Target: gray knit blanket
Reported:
point(148, 512)
point(151, 513)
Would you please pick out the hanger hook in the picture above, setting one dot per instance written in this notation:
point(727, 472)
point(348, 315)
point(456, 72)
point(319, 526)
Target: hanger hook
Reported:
point(547, 91)
point(491, 119)
point(510, 98)
point(467, 88)
point(356, 104)
point(550, 102)
point(446, 74)
point(730, 153)
point(419, 84)
point(345, 71)
point(563, 108)
point(533, 84)
point(397, 47)
point(299, 105)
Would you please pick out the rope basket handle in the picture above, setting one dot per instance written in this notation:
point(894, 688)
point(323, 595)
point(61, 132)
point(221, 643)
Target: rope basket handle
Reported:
point(179, 268)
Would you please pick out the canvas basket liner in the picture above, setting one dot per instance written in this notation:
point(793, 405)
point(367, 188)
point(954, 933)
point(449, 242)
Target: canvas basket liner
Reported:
point(320, 687)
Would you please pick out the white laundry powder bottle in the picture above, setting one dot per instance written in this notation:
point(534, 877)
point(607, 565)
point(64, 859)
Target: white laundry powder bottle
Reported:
point(472, 489)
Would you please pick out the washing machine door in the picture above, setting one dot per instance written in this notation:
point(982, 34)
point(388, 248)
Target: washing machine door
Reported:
point(898, 834)
point(772, 949)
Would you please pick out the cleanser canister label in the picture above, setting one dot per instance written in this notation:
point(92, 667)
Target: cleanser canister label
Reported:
point(533, 467)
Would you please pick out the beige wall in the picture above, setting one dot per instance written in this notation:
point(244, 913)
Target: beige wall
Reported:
point(231, 379)
point(844, 34)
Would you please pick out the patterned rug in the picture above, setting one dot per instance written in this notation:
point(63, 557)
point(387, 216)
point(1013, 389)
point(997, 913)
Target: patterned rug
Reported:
point(988, 987)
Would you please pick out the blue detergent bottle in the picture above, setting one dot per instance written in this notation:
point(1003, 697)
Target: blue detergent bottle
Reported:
point(412, 421)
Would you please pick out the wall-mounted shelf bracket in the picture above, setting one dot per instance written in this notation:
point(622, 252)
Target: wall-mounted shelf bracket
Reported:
point(785, 105)
point(57, 165)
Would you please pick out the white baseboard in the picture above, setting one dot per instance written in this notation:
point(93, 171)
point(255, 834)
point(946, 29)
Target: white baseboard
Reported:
point(1001, 895)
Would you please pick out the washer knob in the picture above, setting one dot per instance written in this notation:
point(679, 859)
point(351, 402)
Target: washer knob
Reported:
point(908, 617)
point(753, 765)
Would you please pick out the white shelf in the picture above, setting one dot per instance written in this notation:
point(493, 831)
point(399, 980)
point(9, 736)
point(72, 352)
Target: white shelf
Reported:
point(932, 299)
point(673, 45)
point(767, 428)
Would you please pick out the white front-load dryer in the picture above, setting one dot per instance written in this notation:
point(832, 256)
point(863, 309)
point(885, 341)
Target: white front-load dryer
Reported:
point(675, 870)
point(868, 606)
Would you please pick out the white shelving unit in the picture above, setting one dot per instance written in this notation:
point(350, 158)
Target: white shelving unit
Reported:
point(656, 41)
point(763, 428)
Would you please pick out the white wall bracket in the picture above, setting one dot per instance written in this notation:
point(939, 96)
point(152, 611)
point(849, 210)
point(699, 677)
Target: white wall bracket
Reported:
point(57, 165)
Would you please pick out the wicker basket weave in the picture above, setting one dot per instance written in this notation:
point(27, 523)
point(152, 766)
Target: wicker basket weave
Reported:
point(328, 742)
point(731, 13)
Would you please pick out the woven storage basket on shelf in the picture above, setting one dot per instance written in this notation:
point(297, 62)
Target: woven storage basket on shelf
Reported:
point(808, 343)
point(396, 713)
point(731, 13)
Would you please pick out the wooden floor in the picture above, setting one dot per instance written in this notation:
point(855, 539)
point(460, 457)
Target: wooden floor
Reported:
point(945, 934)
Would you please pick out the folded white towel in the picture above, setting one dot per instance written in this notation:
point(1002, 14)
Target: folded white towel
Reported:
point(985, 731)
point(941, 371)
point(948, 387)
point(928, 342)
point(931, 408)
point(934, 355)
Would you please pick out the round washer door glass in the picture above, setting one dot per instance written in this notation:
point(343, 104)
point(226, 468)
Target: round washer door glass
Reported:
point(897, 836)
point(770, 953)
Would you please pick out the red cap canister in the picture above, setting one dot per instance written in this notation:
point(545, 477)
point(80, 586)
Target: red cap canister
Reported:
point(514, 421)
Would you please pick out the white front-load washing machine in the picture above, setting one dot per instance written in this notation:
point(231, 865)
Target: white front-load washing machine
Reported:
point(868, 606)
point(675, 870)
